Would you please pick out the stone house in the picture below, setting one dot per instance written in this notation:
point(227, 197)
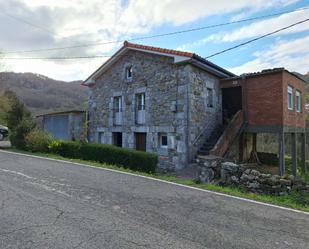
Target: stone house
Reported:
point(173, 103)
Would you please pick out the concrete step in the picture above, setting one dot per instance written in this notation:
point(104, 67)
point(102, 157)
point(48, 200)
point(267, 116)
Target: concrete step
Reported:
point(207, 147)
point(203, 152)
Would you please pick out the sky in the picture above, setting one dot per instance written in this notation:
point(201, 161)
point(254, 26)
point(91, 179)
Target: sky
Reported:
point(43, 24)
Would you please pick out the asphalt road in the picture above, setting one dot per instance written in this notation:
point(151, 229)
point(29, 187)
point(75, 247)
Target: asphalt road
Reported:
point(47, 204)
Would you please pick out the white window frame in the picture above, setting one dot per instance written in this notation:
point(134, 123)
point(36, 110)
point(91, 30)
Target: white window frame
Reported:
point(118, 108)
point(140, 97)
point(161, 135)
point(210, 97)
point(298, 101)
point(129, 73)
point(290, 95)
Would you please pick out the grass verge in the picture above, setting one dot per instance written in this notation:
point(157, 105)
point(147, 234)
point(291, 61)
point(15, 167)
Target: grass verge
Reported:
point(294, 200)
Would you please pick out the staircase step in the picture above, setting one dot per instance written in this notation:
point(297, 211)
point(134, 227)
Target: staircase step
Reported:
point(203, 152)
point(206, 148)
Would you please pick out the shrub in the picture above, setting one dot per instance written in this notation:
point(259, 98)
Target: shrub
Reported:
point(17, 136)
point(37, 140)
point(127, 158)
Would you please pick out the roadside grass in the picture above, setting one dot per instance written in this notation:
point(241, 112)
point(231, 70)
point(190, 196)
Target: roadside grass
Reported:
point(294, 200)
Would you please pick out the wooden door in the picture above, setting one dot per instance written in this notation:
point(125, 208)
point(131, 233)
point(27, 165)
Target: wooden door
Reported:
point(117, 139)
point(140, 141)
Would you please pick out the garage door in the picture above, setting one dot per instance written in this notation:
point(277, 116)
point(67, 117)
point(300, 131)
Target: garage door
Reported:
point(58, 126)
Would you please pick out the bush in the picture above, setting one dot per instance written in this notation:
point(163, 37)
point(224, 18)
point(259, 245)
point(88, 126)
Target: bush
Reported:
point(17, 136)
point(127, 158)
point(37, 141)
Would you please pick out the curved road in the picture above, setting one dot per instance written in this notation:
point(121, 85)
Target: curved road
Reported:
point(49, 204)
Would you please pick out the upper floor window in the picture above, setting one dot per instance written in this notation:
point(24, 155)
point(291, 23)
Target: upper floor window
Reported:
point(140, 101)
point(118, 104)
point(209, 97)
point(117, 110)
point(129, 73)
point(140, 108)
point(290, 98)
point(298, 101)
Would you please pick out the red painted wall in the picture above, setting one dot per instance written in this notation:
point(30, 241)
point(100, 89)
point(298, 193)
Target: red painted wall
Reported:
point(292, 117)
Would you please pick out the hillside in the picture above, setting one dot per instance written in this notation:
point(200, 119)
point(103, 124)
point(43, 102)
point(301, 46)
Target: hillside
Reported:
point(42, 94)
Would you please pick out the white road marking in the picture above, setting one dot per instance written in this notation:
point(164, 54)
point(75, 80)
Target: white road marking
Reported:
point(47, 188)
point(163, 181)
point(17, 173)
point(43, 186)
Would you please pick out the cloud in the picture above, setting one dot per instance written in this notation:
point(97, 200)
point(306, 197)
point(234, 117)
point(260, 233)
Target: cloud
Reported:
point(83, 21)
point(255, 29)
point(268, 25)
point(291, 54)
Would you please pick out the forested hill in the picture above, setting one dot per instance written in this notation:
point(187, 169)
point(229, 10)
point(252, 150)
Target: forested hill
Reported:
point(42, 94)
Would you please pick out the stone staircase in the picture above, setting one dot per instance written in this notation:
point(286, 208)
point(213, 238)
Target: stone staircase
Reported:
point(211, 141)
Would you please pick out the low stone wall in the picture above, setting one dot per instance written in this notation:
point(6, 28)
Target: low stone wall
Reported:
point(227, 174)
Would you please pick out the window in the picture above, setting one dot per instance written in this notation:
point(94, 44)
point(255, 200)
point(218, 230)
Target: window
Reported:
point(209, 97)
point(140, 101)
point(118, 110)
point(117, 104)
point(290, 98)
point(163, 140)
point(298, 101)
point(117, 139)
point(129, 73)
point(101, 137)
point(140, 108)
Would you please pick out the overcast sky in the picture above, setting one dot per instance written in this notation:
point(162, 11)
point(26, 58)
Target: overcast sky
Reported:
point(40, 24)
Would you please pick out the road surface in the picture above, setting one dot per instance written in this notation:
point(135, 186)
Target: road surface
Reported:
point(49, 204)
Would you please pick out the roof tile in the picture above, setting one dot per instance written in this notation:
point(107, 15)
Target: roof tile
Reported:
point(157, 49)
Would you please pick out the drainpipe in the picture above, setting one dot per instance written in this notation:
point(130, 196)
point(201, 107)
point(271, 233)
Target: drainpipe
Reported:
point(188, 124)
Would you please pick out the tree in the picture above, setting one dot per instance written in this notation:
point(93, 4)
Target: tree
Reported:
point(17, 111)
point(19, 120)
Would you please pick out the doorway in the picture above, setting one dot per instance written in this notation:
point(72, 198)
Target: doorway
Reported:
point(140, 141)
point(117, 139)
point(231, 102)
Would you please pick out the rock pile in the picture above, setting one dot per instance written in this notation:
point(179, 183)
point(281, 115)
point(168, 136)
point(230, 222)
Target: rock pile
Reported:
point(254, 181)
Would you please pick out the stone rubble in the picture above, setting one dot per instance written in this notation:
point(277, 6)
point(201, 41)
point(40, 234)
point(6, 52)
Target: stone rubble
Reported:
point(227, 173)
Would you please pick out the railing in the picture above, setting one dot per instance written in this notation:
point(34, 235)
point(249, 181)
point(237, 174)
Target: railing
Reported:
point(140, 117)
point(117, 116)
point(140, 114)
point(199, 136)
point(228, 135)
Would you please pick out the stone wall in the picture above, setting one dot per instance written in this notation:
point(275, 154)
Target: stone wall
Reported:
point(175, 104)
point(203, 119)
point(231, 174)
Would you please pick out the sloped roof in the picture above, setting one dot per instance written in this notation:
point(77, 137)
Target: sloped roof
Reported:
point(266, 71)
point(157, 49)
point(179, 57)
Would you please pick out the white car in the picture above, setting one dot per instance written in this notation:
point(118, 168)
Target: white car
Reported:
point(3, 132)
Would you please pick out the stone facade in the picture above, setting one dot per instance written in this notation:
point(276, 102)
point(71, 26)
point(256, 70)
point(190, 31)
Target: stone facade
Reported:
point(175, 105)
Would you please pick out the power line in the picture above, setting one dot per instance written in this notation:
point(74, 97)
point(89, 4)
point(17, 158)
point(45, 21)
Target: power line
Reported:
point(209, 56)
point(155, 36)
point(56, 58)
point(28, 23)
point(255, 39)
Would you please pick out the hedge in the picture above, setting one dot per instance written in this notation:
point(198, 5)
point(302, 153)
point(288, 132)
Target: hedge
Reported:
point(127, 158)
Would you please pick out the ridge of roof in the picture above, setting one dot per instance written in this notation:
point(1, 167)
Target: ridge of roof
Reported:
point(158, 49)
point(266, 71)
